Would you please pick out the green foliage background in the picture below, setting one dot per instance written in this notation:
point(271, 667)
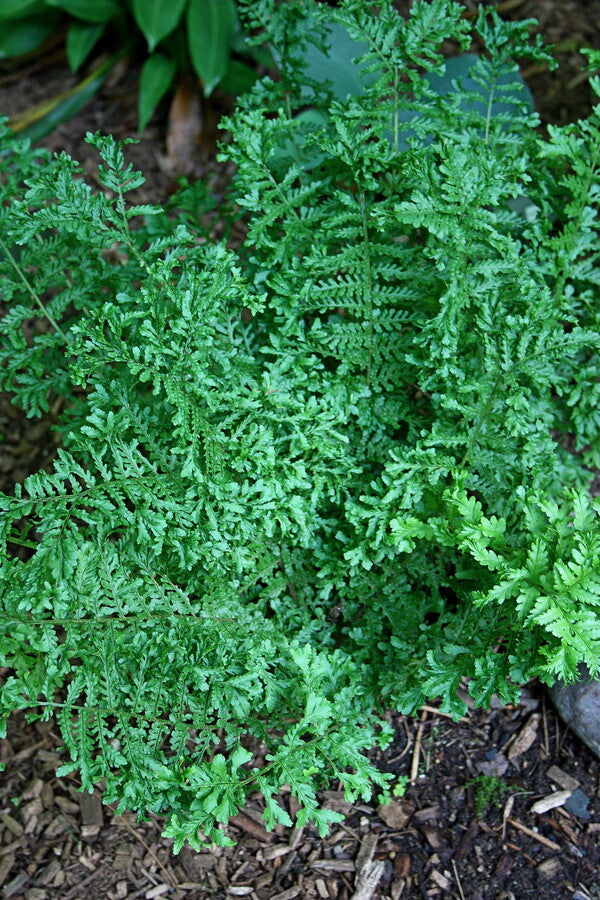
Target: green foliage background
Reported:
point(342, 468)
point(189, 36)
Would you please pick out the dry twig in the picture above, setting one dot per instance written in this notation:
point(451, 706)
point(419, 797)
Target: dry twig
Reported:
point(534, 834)
point(414, 769)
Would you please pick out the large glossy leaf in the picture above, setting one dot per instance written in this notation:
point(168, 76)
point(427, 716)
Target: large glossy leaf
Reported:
point(211, 27)
point(458, 71)
point(285, 152)
point(13, 9)
point(261, 55)
point(157, 18)
point(337, 64)
point(90, 10)
point(155, 81)
point(238, 78)
point(460, 68)
point(81, 37)
point(24, 35)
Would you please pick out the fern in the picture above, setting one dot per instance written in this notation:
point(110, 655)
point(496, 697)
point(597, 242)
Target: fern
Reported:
point(343, 467)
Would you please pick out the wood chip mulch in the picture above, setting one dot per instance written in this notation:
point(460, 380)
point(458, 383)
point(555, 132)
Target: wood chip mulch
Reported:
point(540, 842)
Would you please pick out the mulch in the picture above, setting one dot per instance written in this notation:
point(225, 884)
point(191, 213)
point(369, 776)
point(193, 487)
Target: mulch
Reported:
point(59, 844)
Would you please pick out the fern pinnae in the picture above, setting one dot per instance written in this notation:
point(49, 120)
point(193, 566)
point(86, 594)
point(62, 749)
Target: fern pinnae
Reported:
point(43, 310)
point(257, 522)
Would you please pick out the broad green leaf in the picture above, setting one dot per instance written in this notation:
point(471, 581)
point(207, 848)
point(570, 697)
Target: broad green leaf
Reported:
point(211, 26)
point(156, 79)
point(157, 18)
point(81, 37)
point(460, 68)
point(260, 55)
point(238, 79)
point(338, 65)
point(25, 35)
point(13, 9)
point(98, 11)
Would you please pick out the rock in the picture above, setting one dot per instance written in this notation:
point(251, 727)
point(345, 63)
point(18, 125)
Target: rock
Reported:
point(577, 804)
point(578, 705)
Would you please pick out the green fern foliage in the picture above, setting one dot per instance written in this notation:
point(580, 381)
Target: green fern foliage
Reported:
point(343, 467)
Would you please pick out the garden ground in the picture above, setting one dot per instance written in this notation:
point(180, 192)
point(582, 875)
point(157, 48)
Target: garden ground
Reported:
point(58, 844)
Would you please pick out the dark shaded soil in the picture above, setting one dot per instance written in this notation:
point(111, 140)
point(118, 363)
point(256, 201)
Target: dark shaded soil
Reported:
point(57, 844)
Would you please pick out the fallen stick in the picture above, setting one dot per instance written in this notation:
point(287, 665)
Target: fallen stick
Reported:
point(414, 769)
point(437, 712)
point(534, 834)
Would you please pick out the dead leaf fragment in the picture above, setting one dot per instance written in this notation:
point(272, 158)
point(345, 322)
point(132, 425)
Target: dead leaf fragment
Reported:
point(428, 814)
point(432, 836)
point(396, 814)
point(493, 767)
point(184, 129)
point(252, 828)
point(548, 869)
point(401, 865)
point(525, 738)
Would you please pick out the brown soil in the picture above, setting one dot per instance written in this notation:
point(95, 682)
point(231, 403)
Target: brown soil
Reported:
point(58, 844)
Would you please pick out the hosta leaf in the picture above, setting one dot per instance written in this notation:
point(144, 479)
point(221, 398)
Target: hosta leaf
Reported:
point(24, 35)
point(157, 76)
point(157, 18)
point(211, 27)
point(81, 38)
point(99, 11)
point(16, 9)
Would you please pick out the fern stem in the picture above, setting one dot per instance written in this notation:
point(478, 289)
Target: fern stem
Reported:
point(488, 114)
point(482, 418)
point(34, 295)
point(368, 278)
point(396, 104)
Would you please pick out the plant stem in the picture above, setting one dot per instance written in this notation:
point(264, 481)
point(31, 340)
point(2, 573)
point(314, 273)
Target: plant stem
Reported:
point(482, 418)
point(34, 295)
point(368, 279)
